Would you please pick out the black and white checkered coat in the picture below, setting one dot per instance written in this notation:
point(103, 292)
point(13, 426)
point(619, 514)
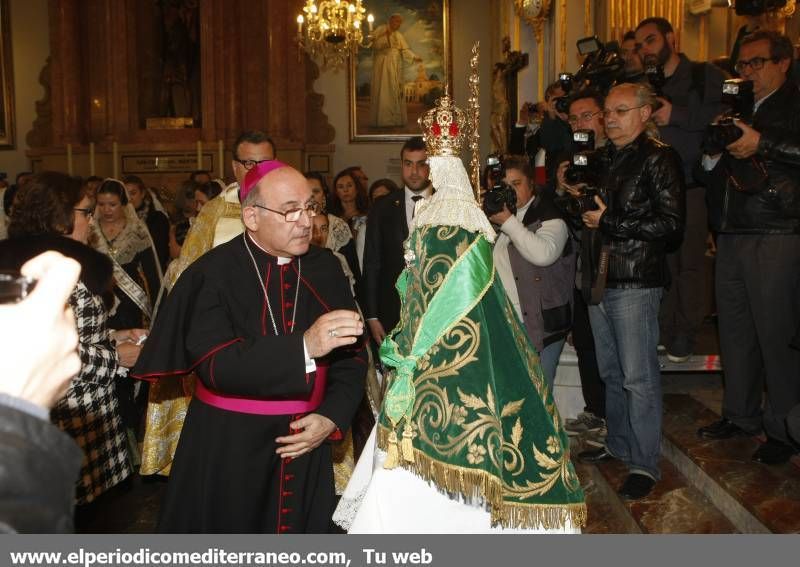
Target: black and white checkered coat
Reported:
point(90, 411)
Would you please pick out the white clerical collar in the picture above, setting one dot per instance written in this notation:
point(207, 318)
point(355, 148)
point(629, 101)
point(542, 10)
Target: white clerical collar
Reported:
point(424, 194)
point(281, 259)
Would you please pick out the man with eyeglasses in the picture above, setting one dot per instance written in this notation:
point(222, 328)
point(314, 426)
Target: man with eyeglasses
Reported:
point(585, 113)
point(269, 325)
point(691, 101)
point(218, 221)
point(639, 212)
point(754, 200)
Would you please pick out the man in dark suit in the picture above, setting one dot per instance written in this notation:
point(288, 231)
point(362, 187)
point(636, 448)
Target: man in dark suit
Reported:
point(387, 228)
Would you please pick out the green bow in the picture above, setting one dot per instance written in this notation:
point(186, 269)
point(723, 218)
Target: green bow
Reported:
point(465, 284)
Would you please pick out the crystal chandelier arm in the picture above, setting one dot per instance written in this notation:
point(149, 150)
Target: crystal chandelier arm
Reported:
point(332, 30)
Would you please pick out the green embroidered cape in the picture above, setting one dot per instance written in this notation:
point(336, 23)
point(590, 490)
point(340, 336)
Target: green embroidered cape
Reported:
point(467, 393)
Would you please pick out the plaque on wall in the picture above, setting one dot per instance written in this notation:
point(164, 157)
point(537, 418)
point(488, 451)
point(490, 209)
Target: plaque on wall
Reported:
point(166, 163)
point(169, 123)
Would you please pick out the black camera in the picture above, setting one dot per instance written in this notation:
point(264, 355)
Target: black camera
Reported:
point(584, 168)
point(561, 103)
point(654, 73)
point(602, 66)
point(576, 206)
point(757, 7)
point(585, 163)
point(499, 193)
point(738, 94)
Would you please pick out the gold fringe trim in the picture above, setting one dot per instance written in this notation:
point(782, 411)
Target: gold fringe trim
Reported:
point(478, 484)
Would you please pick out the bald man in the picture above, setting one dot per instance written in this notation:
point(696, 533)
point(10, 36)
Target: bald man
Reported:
point(270, 327)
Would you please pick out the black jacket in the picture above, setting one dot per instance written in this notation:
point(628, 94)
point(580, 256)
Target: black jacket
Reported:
point(644, 191)
point(761, 194)
point(37, 477)
point(387, 229)
point(692, 110)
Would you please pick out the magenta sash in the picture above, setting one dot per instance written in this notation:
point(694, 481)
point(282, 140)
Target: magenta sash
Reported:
point(262, 406)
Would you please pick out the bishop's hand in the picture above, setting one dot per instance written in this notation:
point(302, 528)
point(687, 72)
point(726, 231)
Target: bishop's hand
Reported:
point(334, 329)
point(309, 433)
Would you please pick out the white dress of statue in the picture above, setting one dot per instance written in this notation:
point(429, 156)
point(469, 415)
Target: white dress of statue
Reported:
point(387, 105)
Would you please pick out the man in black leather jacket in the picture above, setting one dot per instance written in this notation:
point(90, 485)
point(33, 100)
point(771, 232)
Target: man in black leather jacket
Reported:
point(754, 203)
point(641, 210)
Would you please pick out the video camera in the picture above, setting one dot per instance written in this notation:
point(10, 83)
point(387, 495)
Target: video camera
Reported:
point(738, 94)
point(499, 193)
point(602, 66)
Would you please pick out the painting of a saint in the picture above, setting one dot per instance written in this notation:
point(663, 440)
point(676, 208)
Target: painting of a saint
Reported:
point(402, 72)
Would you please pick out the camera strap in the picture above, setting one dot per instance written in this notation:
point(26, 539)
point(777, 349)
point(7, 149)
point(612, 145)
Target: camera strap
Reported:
point(593, 287)
point(599, 287)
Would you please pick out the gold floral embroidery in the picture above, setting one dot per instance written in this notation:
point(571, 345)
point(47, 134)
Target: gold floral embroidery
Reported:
point(482, 443)
point(475, 454)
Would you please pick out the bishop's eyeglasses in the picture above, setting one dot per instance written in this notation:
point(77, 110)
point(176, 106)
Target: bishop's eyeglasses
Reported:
point(293, 215)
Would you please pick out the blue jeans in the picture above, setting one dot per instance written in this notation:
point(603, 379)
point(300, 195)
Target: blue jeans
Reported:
point(549, 360)
point(625, 328)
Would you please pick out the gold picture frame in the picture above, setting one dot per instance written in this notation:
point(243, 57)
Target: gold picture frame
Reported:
point(7, 126)
point(425, 68)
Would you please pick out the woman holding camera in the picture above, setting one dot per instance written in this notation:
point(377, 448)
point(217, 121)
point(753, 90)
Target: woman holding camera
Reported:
point(535, 260)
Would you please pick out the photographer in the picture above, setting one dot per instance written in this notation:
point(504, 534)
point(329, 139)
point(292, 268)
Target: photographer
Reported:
point(689, 98)
point(634, 69)
point(585, 114)
point(535, 260)
point(639, 212)
point(754, 201)
point(553, 136)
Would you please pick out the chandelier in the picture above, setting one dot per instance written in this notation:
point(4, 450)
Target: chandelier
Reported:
point(330, 30)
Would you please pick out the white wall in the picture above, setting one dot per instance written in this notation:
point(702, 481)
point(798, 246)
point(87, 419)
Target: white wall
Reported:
point(469, 22)
point(30, 46)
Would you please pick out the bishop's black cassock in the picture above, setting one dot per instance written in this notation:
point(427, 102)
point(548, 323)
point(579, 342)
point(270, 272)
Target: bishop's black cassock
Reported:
point(226, 476)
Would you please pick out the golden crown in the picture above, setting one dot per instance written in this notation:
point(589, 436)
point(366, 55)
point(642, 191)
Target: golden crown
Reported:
point(445, 128)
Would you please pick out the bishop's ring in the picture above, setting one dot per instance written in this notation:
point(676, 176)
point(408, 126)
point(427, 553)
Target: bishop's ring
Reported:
point(333, 333)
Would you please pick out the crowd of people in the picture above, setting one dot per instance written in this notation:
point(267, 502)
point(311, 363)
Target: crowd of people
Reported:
point(179, 312)
point(657, 190)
